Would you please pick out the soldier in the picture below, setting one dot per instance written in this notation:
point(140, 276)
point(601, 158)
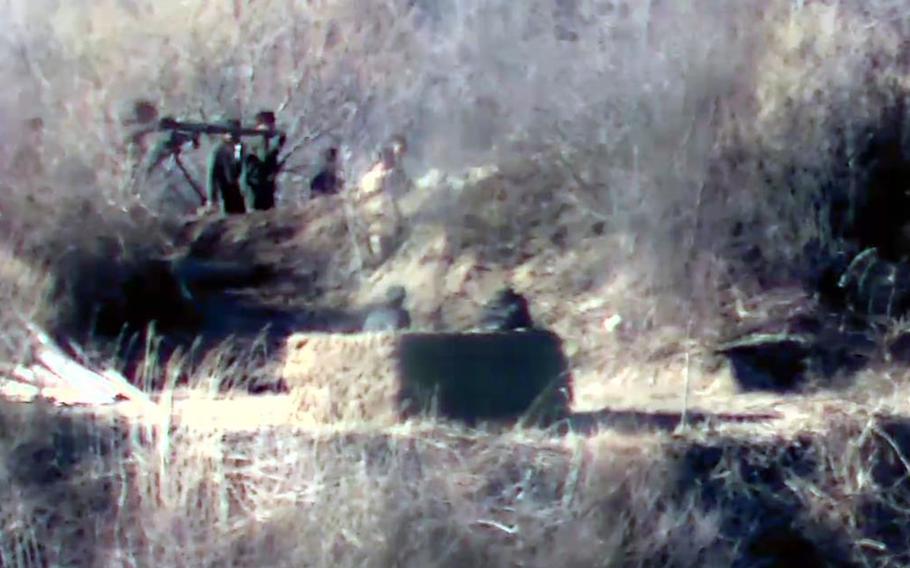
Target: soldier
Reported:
point(27, 163)
point(225, 167)
point(391, 316)
point(396, 182)
point(140, 120)
point(381, 188)
point(327, 181)
point(507, 311)
point(261, 164)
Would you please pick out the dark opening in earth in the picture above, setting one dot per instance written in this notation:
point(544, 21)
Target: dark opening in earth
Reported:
point(877, 214)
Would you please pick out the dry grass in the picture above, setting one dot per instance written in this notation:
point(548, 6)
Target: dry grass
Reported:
point(369, 391)
point(427, 494)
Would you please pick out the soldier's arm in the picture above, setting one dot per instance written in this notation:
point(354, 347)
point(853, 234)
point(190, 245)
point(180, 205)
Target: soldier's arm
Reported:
point(245, 188)
point(211, 184)
point(275, 144)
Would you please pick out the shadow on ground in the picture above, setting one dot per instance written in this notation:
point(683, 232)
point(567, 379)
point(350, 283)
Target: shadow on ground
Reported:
point(237, 287)
point(753, 490)
point(638, 421)
point(243, 331)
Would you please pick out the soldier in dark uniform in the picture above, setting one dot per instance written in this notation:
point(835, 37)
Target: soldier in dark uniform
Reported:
point(261, 164)
point(391, 316)
point(507, 311)
point(327, 181)
point(225, 167)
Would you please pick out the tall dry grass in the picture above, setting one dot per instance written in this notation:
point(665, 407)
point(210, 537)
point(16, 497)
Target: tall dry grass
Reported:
point(89, 493)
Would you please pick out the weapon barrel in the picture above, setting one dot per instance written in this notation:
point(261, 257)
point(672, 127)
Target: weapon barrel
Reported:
point(208, 128)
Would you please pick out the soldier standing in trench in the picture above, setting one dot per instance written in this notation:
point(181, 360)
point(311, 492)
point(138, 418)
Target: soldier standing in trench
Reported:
point(225, 168)
point(380, 189)
point(261, 164)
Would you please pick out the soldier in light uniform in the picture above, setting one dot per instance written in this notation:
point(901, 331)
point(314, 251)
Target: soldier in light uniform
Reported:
point(380, 190)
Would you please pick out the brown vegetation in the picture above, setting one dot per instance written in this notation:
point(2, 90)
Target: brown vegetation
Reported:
point(686, 173)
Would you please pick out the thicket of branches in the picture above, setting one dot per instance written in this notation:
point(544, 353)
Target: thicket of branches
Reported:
point(709, 137)
point(702, 134)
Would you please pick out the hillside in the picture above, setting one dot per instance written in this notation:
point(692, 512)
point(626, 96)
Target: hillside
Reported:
point(765, 468)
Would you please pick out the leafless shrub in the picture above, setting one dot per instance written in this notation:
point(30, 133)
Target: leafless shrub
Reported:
point(697, 133)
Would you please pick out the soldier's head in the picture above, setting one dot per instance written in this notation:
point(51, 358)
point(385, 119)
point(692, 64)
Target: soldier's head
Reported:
point(391, 155)
point(512, 306)
point(35, 124)
point(233, 123)
point(399, 145)
point(265, 120)
point(144, 111)
point(331, 155)
point(141, 112)
point(507, 296)
point(395, 296)
point(34, 128)
point(506, 311)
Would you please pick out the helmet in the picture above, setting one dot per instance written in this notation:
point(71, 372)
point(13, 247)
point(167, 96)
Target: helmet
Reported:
point(265, 116)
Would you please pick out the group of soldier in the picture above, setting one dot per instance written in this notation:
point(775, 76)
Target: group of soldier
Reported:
point(507, 310)
point(243, 164)
point(241, 176)
point(241, 173)
point(242, 170)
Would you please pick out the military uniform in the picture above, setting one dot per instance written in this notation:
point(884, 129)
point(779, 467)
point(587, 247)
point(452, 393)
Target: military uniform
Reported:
point(327, 181)
point(225, 168)
point(392, 316)
point(260, 171)
point(507, 311)
point(379, 192)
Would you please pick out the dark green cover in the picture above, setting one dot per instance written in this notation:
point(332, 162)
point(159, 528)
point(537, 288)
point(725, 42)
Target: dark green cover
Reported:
point(485, 376)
